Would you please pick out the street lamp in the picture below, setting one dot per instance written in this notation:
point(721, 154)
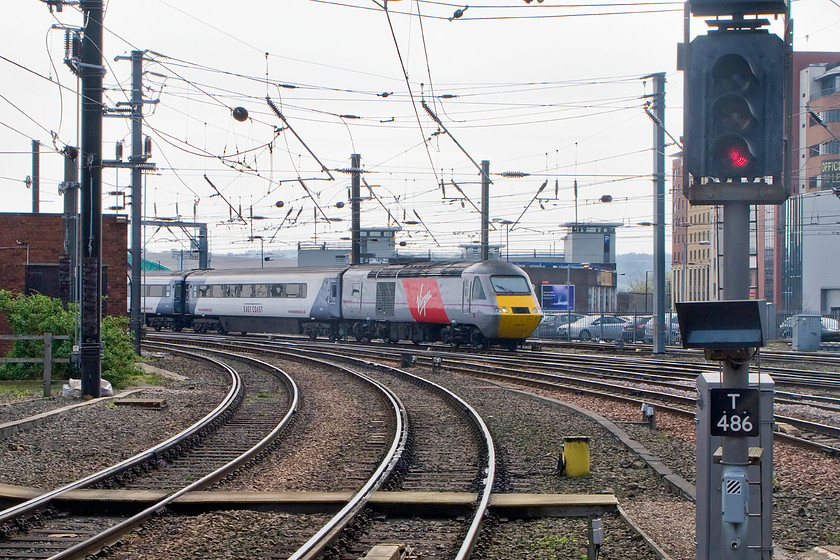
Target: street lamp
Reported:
point(683, 258)
point(262, 248)
point(507, 224)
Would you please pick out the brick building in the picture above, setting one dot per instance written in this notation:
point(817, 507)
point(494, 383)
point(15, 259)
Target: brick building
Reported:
point(31, 247)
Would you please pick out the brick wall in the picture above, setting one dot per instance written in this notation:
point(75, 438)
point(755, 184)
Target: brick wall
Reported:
point(115, 257)
point(44, 235)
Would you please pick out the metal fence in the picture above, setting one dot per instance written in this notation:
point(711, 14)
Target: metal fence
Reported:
point(47, 359)
point(632, 327)
point(602, 326)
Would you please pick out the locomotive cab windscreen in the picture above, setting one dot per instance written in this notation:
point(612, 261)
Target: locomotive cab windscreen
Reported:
point(510, 284)
point(517, 306)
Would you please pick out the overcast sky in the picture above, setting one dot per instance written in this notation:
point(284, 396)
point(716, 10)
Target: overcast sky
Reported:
point(556, 92)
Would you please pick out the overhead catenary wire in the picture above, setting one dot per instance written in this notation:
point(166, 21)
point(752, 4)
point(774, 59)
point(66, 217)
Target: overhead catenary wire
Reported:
point(169, 133)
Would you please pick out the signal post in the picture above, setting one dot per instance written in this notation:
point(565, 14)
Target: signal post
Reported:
point(736, 146)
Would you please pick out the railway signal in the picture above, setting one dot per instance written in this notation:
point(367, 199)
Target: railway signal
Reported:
point(722, 7)
point(735, 97)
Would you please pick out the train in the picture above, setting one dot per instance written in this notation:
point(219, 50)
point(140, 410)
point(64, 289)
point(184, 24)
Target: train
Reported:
point(459, 303)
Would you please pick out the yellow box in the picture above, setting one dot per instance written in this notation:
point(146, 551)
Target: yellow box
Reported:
point(576, 455)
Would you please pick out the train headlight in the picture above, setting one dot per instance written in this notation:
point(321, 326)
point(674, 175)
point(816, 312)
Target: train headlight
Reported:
point(505, 310)
point(535, 310)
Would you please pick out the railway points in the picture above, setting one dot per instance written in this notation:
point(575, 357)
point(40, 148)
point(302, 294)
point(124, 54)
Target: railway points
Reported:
point(513, 470)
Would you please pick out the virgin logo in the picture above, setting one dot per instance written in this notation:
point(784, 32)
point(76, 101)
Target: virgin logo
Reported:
point(422, 300)
point(428, 305)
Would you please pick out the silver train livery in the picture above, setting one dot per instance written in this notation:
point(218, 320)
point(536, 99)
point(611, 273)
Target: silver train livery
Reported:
point(460, 303)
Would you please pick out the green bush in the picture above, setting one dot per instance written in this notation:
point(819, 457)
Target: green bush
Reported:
point(37, 315)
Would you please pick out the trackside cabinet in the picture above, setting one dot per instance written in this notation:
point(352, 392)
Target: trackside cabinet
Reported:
point(734, 505)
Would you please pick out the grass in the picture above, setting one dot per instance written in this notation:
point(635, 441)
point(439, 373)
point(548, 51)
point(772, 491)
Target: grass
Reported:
point(26, 389)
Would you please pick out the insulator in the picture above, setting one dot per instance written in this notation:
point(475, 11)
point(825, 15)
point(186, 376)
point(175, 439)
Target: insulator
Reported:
point(68, 43)
point(514, 174)
point(147, 146)
point(76, 46)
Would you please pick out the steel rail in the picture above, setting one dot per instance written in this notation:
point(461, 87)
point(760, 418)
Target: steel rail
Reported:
point(489, 474)
point(114, 533)
point(549, 379)
point(231, 398)
point(331, 530)
point(474, 530)
point(325, 535)
point(319, 541)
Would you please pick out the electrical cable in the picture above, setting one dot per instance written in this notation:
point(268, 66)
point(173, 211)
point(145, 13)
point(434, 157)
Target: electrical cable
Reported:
point(408, 86)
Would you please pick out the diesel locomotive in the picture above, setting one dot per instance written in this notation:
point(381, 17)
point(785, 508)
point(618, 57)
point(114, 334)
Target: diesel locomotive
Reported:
point(459, 303)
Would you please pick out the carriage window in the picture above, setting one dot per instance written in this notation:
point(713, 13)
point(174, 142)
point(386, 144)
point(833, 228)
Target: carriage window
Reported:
point(238, 289)
point(259, 290)
point(157, 291)
point(357, 289)
point(295, 290)
point(216, 291)
point(510, 285)
point(277, 290)
point(478, 289)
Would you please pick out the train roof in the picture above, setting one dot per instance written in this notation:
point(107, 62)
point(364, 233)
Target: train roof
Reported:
point(435, 269)
point(411, 270)
point(272, 274)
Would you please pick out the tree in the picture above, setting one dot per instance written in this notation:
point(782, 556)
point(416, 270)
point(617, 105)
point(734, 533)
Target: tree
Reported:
point(37, 315)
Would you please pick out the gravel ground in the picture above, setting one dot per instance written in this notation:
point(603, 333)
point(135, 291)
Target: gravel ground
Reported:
point(15, 408)
point(806, 498)
point(93, 437)
point(220, 534)
point(334, 416)
point(528, 436)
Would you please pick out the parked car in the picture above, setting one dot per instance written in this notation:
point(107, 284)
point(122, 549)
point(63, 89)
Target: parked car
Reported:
point(603, 327)
point(634, 330)
point(830, 329)
point(672, 330)
point(550, 323)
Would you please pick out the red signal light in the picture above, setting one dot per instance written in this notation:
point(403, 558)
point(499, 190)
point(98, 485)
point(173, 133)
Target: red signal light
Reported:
point(731, 157)
point(737, 158)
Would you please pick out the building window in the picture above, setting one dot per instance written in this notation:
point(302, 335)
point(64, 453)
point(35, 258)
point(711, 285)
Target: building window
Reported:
point(832, 147)
point(831, 115)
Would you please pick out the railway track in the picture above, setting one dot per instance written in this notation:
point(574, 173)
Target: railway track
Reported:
point(48, 527)
point(665, 384)
point(370, 522)
point(448, 448)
